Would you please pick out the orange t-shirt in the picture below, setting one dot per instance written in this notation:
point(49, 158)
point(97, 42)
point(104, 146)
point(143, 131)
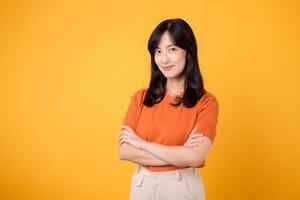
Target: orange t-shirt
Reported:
point(169, 125)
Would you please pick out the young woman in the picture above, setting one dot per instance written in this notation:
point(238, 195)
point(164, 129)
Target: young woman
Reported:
point(170, 126)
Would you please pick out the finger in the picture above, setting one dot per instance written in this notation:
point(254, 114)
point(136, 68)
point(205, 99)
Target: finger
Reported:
point(196, 136)
point(122, 141)
point(122, 137)
point(126, 132)
point(194, 129)
point(120, 133)
point(127, 128)
point(194, 140)
point(198, 140)
point(195, 144)
point(126, 140)
point(119, 136)
point(192, 132)
point(191, 144)
point(124, 127)
point(186, 144)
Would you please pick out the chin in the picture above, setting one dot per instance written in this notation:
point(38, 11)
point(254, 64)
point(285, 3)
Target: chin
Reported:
point(171, 75)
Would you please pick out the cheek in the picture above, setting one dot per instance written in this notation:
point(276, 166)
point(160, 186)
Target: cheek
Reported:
point(182, 55)
point(181, 59)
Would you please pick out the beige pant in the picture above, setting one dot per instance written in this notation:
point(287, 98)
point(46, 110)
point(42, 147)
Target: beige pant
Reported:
point(182, 184)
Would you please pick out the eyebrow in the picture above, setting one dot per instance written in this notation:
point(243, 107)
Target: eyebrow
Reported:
point(167, 46)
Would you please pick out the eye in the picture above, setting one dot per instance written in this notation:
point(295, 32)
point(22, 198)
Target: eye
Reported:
point(173, 49)
point(157, 51)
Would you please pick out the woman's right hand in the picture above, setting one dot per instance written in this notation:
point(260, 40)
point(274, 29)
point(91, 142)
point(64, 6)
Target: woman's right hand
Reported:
point(194, 139)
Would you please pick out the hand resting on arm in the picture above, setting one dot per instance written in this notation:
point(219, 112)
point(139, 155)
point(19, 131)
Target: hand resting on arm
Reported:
point(135, 149)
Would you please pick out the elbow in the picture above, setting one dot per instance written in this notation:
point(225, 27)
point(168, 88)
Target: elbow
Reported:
point(189, 161)
point(195, 161)
point(122, 155)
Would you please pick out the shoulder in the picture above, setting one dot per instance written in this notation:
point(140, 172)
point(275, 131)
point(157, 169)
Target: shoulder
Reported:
point(207, 101)
point(139, 95)
point(140, 92)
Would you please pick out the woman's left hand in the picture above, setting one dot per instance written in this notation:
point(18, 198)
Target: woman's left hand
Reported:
point(129, 136)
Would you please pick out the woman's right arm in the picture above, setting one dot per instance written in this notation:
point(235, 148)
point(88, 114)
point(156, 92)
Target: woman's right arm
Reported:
point(130, 153)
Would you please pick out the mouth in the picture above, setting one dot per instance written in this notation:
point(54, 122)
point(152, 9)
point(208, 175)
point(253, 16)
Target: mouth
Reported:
point(167, 68)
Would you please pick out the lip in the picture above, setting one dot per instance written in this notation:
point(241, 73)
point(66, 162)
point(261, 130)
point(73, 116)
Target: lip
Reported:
point(167, 68)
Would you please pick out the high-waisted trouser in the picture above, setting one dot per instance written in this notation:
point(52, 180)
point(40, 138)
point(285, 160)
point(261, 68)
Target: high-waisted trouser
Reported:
point(181, 184)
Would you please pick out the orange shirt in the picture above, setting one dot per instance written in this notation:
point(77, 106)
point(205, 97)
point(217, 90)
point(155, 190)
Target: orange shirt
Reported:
point(169, 125)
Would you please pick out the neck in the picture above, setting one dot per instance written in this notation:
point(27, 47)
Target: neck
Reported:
point(175, 85)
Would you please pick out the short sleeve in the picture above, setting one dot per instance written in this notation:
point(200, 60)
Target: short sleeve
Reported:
point(207, 116)
point(134, 109)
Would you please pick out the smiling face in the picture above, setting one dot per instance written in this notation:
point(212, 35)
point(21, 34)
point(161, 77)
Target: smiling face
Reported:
point(169, 58)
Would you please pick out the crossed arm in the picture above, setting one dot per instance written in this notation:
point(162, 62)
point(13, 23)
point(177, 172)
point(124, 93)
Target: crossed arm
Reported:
point(135, 149)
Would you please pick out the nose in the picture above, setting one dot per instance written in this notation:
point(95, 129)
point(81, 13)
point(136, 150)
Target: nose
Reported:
point(165, 58)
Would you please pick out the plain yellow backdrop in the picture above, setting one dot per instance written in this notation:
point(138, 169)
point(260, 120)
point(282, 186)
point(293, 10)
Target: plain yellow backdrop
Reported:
point(69, 68)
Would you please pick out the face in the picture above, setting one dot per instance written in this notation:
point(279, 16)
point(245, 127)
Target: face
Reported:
point(169, 58)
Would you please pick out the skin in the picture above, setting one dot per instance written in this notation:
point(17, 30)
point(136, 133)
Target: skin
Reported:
point(168, 54)
point(135, 149)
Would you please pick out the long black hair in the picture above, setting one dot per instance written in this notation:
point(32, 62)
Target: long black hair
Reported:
point(184, 38)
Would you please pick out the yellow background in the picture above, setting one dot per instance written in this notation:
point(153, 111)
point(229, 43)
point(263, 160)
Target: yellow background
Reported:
point(68, 69)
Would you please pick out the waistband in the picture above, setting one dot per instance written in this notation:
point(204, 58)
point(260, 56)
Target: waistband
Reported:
point(173, 174)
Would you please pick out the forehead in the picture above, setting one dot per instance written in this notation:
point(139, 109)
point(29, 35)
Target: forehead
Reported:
point(165, 41)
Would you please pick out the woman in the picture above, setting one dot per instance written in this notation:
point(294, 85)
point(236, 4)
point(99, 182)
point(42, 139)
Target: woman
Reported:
point(170, 126)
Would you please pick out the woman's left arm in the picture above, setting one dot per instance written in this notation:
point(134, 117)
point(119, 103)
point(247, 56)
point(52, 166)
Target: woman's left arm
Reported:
point(180, 156)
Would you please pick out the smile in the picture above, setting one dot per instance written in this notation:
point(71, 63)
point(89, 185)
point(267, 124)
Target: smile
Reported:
point(167, 68)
